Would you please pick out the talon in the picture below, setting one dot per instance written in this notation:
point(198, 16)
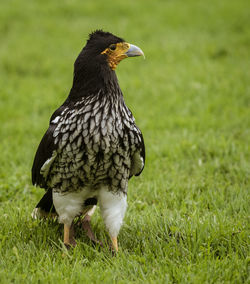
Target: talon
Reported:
point(69, 246)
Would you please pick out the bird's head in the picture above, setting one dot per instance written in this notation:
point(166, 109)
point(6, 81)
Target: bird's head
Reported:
point(105, 47)
point(94, 66)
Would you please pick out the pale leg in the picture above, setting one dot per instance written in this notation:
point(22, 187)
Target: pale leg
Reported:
point(86, 225)
point(68, 206)
point(113, 207)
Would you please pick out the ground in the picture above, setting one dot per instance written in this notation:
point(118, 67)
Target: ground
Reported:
point(187, 219)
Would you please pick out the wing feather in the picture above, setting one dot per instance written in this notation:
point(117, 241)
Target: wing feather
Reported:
point(46, 152)
point(142, 157)
point(138, 159)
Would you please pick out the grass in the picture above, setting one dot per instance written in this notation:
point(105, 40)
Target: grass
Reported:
point(188, 214)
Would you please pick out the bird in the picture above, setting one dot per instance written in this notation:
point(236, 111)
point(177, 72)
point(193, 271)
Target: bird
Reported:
point(92, 146)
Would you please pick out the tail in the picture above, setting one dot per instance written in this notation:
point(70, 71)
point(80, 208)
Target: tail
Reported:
point(45, 207)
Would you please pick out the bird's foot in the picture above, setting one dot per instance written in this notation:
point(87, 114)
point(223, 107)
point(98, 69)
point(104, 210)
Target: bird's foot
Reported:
point(85, 224)
point(70, 246)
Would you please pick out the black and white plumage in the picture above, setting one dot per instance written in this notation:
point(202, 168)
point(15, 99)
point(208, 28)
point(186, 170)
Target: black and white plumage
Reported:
point(92, 146)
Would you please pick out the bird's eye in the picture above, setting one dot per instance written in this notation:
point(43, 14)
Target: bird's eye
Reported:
point(112, 46)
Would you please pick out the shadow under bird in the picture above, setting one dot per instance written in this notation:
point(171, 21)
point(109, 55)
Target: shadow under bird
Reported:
point(92, 146)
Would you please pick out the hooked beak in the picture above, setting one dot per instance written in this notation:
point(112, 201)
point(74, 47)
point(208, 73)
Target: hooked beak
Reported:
point(134, 51)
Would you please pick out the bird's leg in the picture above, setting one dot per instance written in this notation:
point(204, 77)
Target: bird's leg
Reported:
point(87, 228)
point(66, 234)
point(113, 207)
point(114, 243)
point(69, 239)
point(85, 224)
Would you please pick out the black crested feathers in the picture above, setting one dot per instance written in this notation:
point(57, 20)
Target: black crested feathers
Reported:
point(100, 38)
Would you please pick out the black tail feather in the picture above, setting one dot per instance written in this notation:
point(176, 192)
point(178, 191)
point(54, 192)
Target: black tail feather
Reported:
point(46, 203)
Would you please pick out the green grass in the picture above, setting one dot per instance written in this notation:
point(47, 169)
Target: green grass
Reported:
point(188, 214)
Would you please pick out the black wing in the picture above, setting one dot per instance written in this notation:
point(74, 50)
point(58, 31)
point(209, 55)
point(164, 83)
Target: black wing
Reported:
point(142, 155)
point(136, 141)
point(138, 159)
point(45, 151)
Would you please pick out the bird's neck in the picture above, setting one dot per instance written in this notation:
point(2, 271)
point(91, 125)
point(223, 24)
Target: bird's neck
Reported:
point(88, 82)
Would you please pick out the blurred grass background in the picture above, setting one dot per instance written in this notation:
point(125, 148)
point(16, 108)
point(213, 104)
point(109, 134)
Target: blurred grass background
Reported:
point(187, 220)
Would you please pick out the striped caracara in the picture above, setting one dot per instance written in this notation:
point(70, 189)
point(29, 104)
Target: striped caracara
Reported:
point(92, 146)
